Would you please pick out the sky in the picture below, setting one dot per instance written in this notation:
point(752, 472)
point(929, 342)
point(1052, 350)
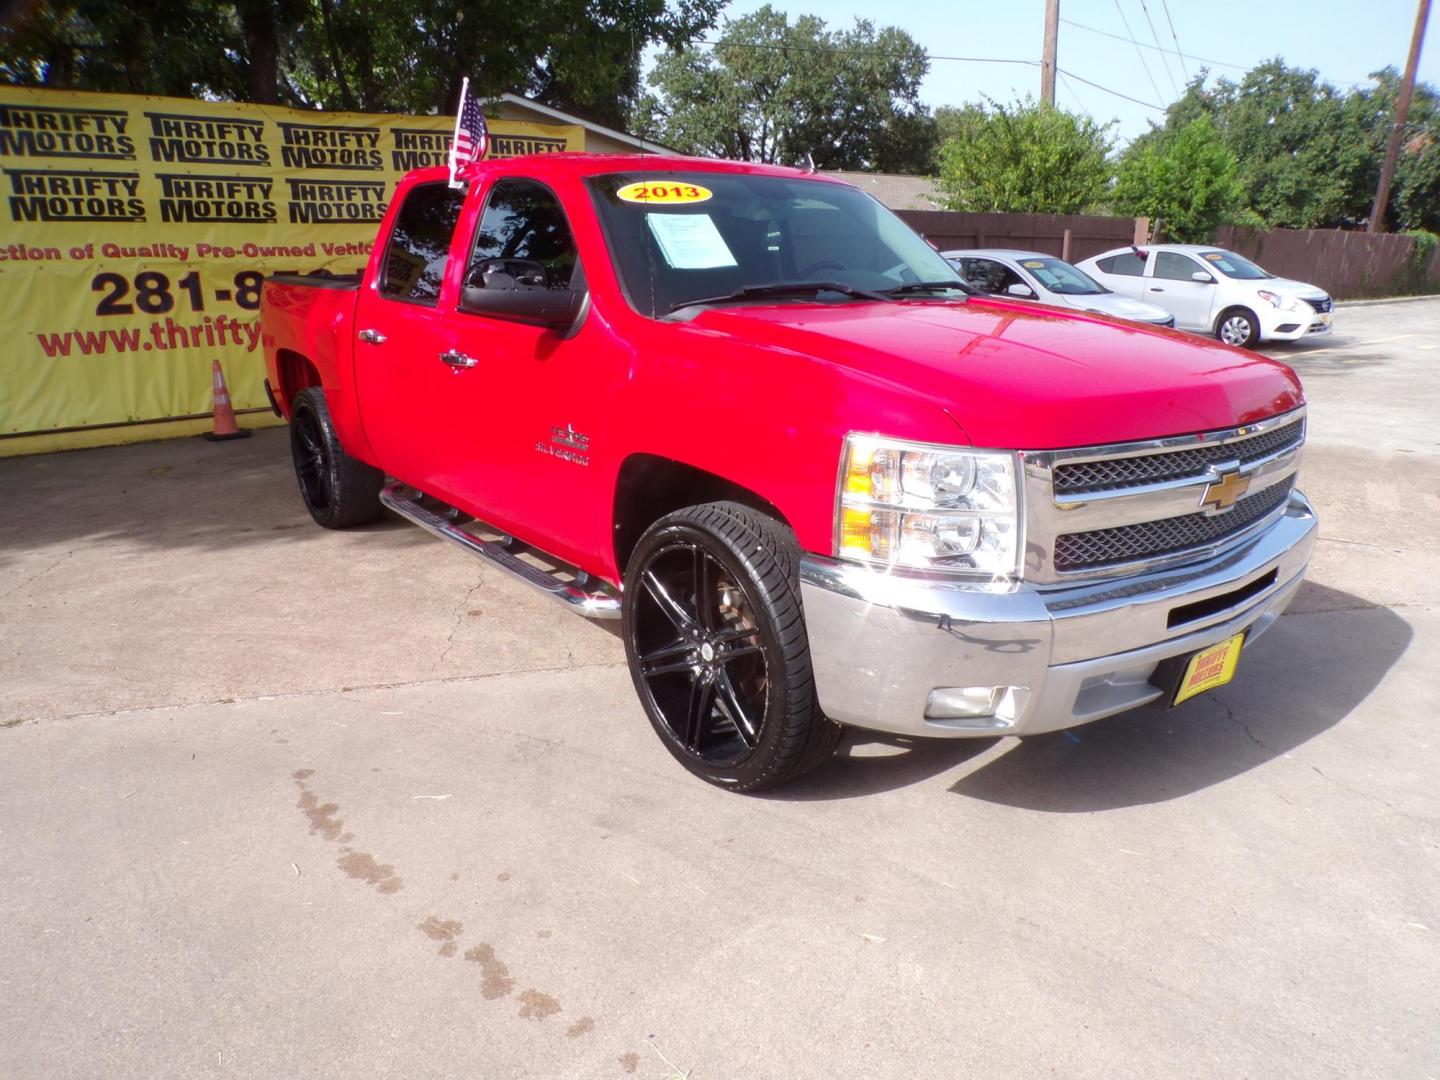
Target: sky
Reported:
point(1344, 40)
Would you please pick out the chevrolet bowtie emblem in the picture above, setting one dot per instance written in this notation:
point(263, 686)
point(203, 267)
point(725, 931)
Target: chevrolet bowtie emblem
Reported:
point(1225, 492)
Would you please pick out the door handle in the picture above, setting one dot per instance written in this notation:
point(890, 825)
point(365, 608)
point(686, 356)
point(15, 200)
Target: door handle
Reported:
point(457, 359)
point(1156, 288)
point(371, 337)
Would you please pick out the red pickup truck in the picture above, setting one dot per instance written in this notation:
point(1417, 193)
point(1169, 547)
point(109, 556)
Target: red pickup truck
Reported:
point(750, 413)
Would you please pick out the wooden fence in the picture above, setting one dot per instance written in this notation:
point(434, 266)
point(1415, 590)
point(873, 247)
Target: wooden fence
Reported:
point(1089, 234)
point(1347, 265)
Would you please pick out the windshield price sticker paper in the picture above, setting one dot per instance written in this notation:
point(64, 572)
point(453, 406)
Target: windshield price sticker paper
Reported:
point(651, 191)
point(690, 241)
point(138, 232)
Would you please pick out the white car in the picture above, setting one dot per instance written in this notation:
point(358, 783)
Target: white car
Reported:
point(1032, 275)
point(1216, 292)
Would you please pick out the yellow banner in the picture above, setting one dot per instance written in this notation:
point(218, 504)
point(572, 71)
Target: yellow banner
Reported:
point(137, 232)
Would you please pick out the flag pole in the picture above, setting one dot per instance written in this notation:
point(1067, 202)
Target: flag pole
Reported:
point(455, 135)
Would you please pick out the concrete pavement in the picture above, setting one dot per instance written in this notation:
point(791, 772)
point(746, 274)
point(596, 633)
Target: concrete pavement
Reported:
point(277, 802)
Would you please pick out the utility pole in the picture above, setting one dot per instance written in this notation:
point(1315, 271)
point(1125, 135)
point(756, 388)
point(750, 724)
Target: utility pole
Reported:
point(1047, 62)
point(1397, 128)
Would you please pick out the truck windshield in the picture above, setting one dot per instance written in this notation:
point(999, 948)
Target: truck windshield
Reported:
point(1232, 265)
point(682, 238)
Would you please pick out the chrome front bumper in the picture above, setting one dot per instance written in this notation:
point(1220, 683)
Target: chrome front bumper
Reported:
point(1074, 653)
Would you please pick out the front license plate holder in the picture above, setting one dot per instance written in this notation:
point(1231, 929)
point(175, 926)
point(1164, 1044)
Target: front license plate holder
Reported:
point(1183, 677)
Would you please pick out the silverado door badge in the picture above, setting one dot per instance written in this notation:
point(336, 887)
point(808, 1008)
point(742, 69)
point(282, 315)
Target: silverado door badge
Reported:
point(567, 444)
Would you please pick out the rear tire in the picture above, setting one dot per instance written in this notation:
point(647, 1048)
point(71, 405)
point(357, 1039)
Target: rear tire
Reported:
point(339, 490)
point(1238, 327)
point(715, 636)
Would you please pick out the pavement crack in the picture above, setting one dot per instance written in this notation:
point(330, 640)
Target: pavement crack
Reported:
point(38, 574)
point(461, 608)
point(284, 695)
point(1371, 796)
point(1230, 714)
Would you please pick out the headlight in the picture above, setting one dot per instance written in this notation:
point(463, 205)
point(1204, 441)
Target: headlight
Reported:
point(1275, 300)
point(928, 507)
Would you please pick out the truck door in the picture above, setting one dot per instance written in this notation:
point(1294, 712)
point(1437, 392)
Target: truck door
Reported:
point(524, 417)
point(399, 375)
point(1172, 287)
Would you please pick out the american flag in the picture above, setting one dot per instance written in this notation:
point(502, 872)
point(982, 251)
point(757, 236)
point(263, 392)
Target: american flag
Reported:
point(472, 137)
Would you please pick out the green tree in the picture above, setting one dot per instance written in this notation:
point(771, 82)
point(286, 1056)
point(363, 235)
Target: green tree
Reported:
point(1024, 158)
point(374, 55)
point(1185, 179)
point(774, 91)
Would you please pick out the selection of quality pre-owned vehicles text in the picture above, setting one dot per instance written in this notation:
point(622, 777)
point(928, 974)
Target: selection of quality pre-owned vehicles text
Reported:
point(751, 414)
point(1213, 291)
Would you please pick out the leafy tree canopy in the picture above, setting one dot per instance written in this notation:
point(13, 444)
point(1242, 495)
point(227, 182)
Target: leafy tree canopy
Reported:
point(1308, 153)
point(774, 91)
point(1184, 178)
point(1025, 158)
point(372, 55)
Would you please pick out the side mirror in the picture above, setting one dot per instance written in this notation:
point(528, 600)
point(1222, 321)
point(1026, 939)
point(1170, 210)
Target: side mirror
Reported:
point(1202, 277)
point(1022, 291)
point(552, 308)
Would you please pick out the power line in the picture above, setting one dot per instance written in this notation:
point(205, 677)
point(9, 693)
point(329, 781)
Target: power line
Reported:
point(1117, 37)
point(1085, 108)
point(856, 52)
point(1164, 60)
point(1176, 38)
point(1153, 84)
point(1114, 93)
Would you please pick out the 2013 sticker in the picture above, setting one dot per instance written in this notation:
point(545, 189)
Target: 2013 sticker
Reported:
point(650, 192)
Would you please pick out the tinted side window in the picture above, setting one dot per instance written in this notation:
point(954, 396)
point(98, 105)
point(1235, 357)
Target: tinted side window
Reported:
point(1127, 264)
point(989, 276)
point(1173, 266)
point(419, 244)
point(523, 241)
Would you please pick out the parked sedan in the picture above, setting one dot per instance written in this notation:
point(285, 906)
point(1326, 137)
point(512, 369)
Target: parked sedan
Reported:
point(1031, 275)
point(1216, 292)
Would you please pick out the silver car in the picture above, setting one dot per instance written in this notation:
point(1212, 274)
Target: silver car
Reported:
point(1032, 275)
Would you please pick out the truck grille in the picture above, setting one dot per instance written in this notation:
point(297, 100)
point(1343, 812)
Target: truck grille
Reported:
point(1133, 543)
point(1321, 306)
point(1118, 473)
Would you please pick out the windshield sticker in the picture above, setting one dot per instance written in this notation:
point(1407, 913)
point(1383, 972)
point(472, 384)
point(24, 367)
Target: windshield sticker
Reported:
point(1215, 256)
point(690, 241)
point(649, 192)
point(1034, 264)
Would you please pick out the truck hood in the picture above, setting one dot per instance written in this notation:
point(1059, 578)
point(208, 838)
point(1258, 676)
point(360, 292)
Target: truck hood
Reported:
point(1018, 377)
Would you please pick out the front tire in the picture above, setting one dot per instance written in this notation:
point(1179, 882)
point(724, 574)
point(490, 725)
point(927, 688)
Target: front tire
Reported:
point(339, 490)
point(1238, 327)
point(715, 636)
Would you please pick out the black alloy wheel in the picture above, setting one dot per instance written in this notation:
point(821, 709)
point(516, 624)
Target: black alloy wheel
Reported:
point(699, 653)
point(338, 490)
point(312, 468)
point(717, 648)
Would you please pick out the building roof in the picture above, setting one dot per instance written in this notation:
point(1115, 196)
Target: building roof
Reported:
point(895, 190)
point(545, 114)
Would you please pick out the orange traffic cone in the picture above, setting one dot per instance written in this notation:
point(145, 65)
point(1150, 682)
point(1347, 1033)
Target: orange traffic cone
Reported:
point(224, 423)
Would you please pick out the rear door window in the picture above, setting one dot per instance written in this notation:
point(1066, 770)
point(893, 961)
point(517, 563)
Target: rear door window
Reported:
point(1126, 264)
point(419, 245)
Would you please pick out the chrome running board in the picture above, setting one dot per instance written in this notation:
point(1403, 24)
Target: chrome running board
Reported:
point(596, 603)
